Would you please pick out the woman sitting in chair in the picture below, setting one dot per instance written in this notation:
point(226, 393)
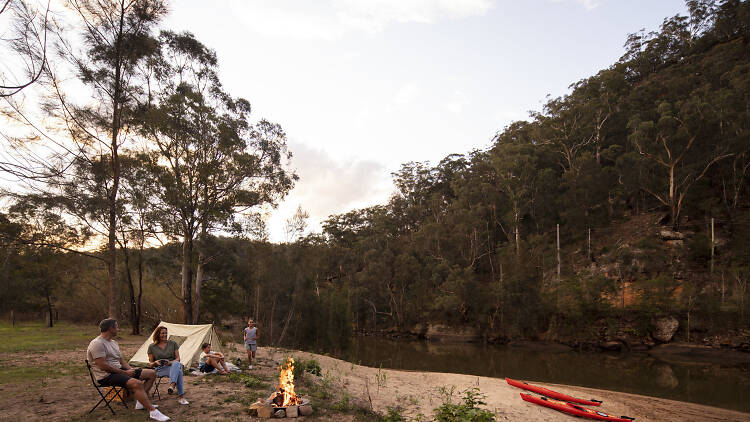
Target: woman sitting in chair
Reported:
point(164, 355)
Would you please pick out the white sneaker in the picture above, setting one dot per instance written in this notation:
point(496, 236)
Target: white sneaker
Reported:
point(157, 415)
point(183, 401)
point(139, 406)
point(250, 367)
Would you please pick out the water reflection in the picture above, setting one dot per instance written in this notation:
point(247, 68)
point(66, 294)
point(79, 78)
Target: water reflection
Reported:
point(713, 384)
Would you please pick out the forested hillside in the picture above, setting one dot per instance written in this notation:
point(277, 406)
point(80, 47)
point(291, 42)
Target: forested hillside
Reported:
point(617, 204)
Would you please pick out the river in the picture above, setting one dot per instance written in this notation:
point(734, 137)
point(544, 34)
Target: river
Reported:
point(717, 384)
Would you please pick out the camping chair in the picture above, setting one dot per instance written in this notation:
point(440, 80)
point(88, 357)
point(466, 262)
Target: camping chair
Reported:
point(156, 386)
point(104, 396)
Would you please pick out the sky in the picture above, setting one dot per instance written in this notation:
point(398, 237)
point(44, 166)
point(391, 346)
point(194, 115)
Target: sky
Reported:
point(363, 86)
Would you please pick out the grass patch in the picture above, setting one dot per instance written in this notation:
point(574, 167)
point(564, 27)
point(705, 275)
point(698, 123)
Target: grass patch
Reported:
point(244, 399)
point(319, 389)
point(36, 337)
point(249, 381)
point(27, 374)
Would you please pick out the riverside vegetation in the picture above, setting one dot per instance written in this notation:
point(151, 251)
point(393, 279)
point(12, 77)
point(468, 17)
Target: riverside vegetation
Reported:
point(641, 171)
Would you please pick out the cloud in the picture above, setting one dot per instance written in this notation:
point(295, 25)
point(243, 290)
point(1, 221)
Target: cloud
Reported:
point(457, 102)
point(587, 4)
point(403, 98)
point(328, 186)
point(333, 19)
point(407, 93)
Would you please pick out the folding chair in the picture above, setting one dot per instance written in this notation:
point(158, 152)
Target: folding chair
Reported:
point(156, 387)
point(104, 396)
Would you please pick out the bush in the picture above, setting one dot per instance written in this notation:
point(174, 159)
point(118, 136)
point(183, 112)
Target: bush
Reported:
point(312, 366)
point(468, 411)
point(301, 366)
point(393, 415)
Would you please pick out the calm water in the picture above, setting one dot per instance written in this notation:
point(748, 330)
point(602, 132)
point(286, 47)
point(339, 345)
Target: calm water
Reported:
point(714, 384)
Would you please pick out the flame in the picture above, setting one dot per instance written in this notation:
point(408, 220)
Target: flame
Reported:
point(286, 384)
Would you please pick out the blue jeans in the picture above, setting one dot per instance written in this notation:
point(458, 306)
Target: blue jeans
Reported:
point(175, 375)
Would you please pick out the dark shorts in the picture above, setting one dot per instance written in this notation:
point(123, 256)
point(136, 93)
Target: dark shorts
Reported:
point(119, 380)
point(205, 367)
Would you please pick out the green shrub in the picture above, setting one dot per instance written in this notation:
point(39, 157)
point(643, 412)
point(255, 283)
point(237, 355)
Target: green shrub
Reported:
point(301, 366)
point(312, 366)
point(344, 405)
point(393, 415)
point(468, 411)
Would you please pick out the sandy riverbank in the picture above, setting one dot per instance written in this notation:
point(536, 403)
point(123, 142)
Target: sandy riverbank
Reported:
point(420, 392)
point(68, 395)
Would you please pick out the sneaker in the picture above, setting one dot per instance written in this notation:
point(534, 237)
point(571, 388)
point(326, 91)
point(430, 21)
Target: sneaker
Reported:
point(157, 415)
point(183, 401)
point(250, 367)
point(170, 390)
point(139, 406)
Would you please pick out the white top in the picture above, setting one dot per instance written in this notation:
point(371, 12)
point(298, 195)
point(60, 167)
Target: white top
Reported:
point(202, 358)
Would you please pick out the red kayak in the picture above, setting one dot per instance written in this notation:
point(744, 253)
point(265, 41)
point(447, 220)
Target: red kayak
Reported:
point(574, 409)
point(553, 394)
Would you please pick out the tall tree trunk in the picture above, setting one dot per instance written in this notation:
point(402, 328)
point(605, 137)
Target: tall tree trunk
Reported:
point(112, 261)
point(198, 283)
point(137, 324)
point(187, 279)
point(273, 310)
point(49, 307)
point(517, 222)
point(199, 274)
point(673, 203)
point(257, 301)
point(131, 291)
point(112, 197)
point(286, 324)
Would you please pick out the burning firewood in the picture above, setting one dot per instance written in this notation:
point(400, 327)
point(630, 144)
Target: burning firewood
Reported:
point(283, 402)
point(285, 395)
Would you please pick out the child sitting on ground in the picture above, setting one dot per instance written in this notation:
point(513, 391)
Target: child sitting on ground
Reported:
point(210, 360)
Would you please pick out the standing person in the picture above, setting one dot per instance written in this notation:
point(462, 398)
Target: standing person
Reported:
point(251, 336)
point(164, 355)
point(110, 369)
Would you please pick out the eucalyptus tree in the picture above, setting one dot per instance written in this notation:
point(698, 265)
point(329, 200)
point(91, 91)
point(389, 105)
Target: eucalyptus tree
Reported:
point(109, 41)
point(137, 225)
point(515, 170)
point(676, 142)
point(25, 52)
point(210, 160)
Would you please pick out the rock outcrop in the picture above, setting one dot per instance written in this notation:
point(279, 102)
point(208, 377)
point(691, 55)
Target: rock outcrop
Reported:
point(664, 328)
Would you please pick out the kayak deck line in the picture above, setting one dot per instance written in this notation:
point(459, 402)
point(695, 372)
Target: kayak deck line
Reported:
point(551, 393)
point(574, 409)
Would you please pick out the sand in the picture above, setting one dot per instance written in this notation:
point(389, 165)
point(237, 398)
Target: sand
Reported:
point(420, 392)
point(70, 397)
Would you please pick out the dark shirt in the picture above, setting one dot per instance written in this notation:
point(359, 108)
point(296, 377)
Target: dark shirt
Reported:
point(165, 353)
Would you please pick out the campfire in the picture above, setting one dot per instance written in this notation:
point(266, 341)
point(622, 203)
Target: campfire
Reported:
point(285, 395)
point(283, 402)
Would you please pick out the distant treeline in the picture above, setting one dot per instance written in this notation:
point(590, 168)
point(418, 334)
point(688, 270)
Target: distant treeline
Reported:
point(642, 172)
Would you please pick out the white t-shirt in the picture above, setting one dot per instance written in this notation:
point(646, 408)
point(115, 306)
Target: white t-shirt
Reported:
point(203, 355)
point(103, 348)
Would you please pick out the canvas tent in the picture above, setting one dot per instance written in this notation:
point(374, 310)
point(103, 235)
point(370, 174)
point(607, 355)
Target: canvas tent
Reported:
point(188, 337)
